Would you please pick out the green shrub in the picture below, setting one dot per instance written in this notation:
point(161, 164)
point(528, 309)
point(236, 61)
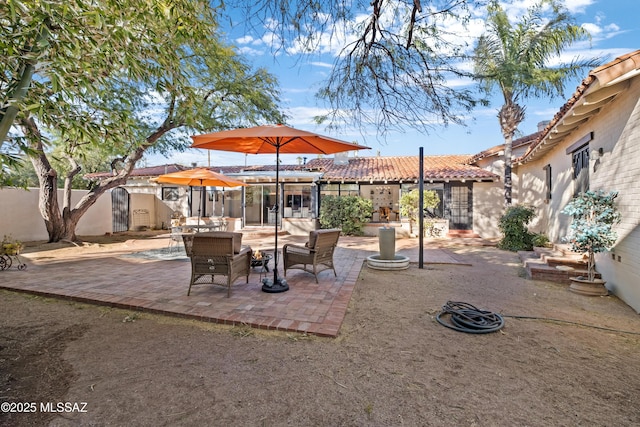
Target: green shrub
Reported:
point(540, 240)
point(348, 213)
point(409, 205)
point(513, 224)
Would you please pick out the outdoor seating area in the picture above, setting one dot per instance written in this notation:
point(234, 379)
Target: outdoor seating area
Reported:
point(157, 285)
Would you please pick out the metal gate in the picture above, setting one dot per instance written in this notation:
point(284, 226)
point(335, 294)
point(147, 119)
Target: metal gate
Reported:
point(459, 206)
point(120, 205)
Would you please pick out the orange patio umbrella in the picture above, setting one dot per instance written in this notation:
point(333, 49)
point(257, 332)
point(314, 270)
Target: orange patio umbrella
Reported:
point(273, 139)
point(199, 177)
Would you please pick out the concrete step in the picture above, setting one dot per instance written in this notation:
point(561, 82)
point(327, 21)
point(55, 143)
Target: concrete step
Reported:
point(565, 250)
point(577, 263)
point(540, 270)
point(527, 255)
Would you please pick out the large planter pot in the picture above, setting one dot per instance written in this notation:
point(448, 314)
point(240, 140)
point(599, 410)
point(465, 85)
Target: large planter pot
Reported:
point(583, 286)
point(387, 243)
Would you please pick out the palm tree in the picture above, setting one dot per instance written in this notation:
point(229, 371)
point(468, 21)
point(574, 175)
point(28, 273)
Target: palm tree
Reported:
point(516, 59)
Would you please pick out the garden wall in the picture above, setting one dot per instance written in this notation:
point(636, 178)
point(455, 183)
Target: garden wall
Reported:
point(20, 216)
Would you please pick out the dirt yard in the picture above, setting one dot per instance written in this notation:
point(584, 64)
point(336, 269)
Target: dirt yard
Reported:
point(391, 365)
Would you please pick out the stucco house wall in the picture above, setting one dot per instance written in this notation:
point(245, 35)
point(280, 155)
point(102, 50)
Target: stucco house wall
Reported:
point(617, 131)
point(20, 215)
point(486, 212)
point(532, 191)
point(616, 134)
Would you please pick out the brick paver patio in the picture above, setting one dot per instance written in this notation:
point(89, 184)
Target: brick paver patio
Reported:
point(160, 286)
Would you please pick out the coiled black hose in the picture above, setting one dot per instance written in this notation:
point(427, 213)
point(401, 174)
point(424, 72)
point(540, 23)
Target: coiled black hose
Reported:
point(464, 317)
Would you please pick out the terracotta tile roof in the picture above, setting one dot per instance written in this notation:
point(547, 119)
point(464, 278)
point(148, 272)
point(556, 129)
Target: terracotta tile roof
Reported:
point(150, 171)
point(257, 168)
point(153, 171)
point(528, 139)
point(393, 169)
point(399, 168)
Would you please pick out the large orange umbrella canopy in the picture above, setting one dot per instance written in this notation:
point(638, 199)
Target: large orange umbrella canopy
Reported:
point(269, 139)
point(199, 177)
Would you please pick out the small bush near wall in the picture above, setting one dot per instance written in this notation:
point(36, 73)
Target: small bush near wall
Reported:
point(513, 225)
point(541, 240)
point(348, 213)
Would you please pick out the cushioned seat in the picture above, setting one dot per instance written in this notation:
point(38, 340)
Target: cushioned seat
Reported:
point(315, 256)
point(215, 255)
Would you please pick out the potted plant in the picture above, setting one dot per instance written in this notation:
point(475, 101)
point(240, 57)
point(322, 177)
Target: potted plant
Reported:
point(591, 231)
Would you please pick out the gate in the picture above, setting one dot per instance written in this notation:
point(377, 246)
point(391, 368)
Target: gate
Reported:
point(459, 206)
point(120, 213)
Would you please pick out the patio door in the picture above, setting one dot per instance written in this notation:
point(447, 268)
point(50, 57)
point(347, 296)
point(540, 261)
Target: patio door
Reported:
point(258, 202)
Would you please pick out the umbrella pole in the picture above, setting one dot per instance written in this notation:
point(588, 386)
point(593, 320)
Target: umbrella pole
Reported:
point(278, 284)
point(199, 205)
point(275, 252)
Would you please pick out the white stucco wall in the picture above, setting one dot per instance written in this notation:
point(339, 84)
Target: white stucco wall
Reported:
point(488, 207)
point(20, 216)
point(617, 131)
point(488, 199)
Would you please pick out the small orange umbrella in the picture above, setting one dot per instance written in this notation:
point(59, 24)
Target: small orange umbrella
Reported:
point(273, 139)
point(199, 177)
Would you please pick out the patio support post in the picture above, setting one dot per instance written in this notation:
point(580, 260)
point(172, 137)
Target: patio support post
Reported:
point(420, 209)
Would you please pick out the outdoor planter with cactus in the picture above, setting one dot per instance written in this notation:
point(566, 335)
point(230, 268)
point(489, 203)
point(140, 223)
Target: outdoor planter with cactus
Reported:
point(591, 231)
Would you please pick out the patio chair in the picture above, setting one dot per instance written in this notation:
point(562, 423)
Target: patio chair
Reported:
point(315, 256)
point(176, 237)
point(215, 255)
point(385, 213)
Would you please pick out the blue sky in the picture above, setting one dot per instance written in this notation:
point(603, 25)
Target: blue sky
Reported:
point(613, 25)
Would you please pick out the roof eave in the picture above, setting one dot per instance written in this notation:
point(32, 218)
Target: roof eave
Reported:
point(600, 88)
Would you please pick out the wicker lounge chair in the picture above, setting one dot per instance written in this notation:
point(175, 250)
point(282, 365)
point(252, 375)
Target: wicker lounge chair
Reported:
point(217, 255)
point(316, 256)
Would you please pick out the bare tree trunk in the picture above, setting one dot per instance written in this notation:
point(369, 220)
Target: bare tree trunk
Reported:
point(48, 180)
point(61, 225)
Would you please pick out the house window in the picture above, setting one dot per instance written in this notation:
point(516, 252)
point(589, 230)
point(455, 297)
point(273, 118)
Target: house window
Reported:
point(579, 152)
point(580, 162)
point(339, 190)
point(297, 201)
point(547, 183)
point(170, 194)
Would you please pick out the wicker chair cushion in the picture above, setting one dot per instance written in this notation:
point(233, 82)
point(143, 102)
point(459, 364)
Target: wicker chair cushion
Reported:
point(237, 238)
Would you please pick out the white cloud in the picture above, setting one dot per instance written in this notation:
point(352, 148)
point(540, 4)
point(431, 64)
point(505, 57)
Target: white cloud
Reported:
point(577, 6)
point(245, 40)
point(321, 64)
point(248, 51)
